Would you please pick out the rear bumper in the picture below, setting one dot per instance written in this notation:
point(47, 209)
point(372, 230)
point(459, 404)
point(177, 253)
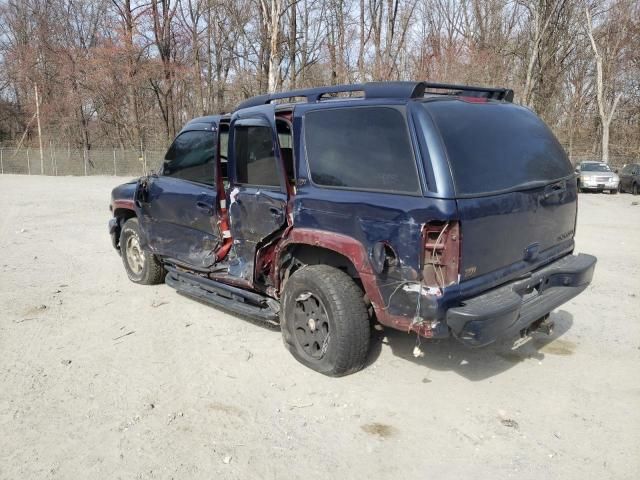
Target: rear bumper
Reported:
point(506, 310)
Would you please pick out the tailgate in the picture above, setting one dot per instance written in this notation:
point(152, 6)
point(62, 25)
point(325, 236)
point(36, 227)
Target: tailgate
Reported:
point(514, 186)
point(518, 229)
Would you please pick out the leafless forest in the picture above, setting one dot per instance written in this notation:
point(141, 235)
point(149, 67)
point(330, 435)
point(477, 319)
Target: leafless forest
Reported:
point(126, 74)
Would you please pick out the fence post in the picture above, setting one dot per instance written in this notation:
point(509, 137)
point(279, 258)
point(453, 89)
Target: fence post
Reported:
point(1, 163)
point(28, 162)
point(115, 172)
point(144, 160)
point(51, 156)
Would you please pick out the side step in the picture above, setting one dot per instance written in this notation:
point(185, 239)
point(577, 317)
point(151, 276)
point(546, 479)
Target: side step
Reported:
point(242, 302)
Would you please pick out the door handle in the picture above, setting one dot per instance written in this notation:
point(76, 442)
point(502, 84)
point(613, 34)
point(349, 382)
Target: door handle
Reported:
point(553, 189)
point(204, 207)
point(275, 212)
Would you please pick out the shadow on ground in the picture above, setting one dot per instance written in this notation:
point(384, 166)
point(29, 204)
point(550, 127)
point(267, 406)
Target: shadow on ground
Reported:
point(475, 364)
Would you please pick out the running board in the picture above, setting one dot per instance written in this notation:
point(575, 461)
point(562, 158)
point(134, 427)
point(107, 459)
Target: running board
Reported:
point(242, 302)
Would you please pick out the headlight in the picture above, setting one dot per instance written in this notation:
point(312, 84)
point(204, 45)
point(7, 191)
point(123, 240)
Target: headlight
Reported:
point(615, 179)
point(585, 178)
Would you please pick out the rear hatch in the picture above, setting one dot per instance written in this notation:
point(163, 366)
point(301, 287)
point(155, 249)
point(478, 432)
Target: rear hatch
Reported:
point(514, 187)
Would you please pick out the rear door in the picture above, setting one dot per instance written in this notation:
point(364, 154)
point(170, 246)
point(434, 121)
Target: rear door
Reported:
point(258, 193)
point(177, 209)
point(514, 186)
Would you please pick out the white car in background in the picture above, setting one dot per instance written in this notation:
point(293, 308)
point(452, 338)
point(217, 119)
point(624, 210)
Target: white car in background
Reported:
point(597, 177)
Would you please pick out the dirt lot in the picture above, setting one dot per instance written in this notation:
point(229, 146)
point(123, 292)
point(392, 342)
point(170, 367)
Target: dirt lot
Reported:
point(101, 378)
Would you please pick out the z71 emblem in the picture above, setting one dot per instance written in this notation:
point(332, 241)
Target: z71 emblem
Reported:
point(468, 272)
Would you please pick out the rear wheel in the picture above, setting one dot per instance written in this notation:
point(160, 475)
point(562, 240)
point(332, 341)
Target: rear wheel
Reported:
point(324, 319)
point(141, 266)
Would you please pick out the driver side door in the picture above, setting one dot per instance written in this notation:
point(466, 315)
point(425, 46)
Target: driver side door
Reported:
point(177, 209)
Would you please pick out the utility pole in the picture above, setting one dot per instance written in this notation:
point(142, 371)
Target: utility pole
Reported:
point(39, 129)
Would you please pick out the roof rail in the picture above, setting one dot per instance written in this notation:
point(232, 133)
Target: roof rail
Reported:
point(381, 90)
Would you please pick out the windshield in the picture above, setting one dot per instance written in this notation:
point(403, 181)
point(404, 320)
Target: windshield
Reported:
point(495, 147)
point(594, 167)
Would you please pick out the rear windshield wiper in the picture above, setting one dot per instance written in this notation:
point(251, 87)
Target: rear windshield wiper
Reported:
point(530, 185)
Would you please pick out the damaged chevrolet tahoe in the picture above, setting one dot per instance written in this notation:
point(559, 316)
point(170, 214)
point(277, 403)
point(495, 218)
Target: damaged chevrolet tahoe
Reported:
point(440, 210)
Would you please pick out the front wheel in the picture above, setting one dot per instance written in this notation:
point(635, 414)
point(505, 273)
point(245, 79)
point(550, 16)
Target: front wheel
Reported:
point(324, 319)
point(141, 266)
point(636, 189)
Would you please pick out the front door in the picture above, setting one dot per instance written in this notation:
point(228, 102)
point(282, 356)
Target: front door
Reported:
point(177, 209)
point(258, 193)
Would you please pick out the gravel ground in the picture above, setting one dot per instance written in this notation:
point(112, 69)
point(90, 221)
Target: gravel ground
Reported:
point(101, 378)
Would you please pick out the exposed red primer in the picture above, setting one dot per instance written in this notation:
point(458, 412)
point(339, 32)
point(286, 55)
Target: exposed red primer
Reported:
point(223, 215)
point(356, 253)
point(123, 203)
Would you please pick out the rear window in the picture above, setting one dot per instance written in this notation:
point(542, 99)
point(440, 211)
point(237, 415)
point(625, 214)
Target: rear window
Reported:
point(493, 147)
point(364, 148)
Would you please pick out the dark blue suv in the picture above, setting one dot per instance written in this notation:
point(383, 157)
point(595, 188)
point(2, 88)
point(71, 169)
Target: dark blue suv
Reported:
point(442, 210)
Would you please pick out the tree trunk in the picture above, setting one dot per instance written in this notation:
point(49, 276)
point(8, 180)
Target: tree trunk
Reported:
point(274, 51)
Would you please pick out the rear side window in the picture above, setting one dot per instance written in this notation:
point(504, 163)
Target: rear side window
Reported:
point(493, 147)
point(192, 157)
point(254, 155)
point(365, 148)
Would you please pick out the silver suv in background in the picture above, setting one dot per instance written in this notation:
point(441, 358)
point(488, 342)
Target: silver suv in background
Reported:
point(597, 176)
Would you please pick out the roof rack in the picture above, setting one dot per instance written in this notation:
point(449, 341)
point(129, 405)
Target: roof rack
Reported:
point(382, 90)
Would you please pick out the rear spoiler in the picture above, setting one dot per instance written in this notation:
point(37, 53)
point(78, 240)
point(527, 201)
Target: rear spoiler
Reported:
point(505, 94)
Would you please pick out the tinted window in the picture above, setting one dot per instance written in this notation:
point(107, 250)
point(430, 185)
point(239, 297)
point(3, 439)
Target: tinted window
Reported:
point(594, 167)
point(628, 169)
point(361, 148)
point(496, 146)
point(192, 157)
point(255, 160)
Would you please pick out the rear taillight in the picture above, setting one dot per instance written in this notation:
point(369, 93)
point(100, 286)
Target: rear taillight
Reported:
point(441, 261)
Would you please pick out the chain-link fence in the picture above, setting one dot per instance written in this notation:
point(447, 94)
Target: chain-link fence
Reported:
point(127, 162)
point(69, 161)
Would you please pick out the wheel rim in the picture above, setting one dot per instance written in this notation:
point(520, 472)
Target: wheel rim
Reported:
point(135, 259)
point(311, 323)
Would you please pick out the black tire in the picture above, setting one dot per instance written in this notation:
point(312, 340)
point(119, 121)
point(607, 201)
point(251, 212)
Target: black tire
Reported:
point(620, 190)
point(141, 266)
point(613, 192)
point(320, 296)
point(636, 189)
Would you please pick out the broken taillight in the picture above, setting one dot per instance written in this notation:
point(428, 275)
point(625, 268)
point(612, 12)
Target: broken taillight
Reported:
point(441, 260)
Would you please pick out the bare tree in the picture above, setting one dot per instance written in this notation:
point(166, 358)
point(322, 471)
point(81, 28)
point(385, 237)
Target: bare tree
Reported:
point(605, 55)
